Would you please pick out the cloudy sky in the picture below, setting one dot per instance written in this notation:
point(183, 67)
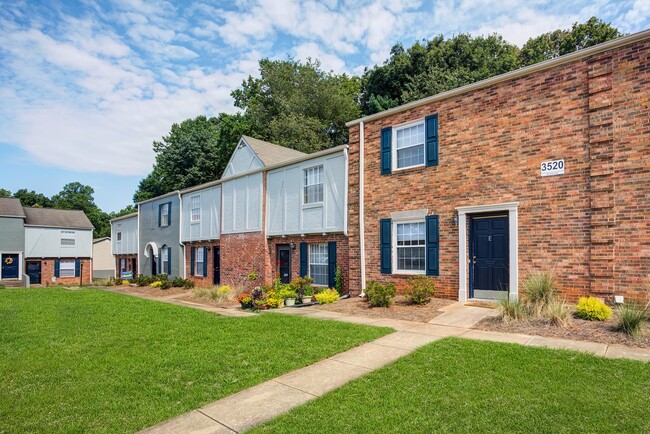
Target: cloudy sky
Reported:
point(86, 86)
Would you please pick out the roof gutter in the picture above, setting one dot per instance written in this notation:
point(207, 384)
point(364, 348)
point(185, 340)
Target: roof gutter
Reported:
point(567, 58)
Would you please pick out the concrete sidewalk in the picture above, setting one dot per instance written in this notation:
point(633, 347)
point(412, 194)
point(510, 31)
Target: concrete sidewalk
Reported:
point(253, 406)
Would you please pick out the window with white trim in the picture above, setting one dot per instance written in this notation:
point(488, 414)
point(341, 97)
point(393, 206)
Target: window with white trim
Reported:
point(410, 245)
point(66, 268)
point(119, 237)
point(200, 258)
point(123, 266)
point(164, 254)
point(68, 239)
point(195, 210)
point(164, 215)
point(318, 260)
point(313, 185)
point(409, 145)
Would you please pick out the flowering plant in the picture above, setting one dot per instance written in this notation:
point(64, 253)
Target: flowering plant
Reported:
point(244, 298)
point(257, 293)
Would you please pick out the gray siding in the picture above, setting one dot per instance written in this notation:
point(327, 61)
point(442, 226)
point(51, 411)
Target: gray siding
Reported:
point(12, 234)
point(168, 236)
point(208, 227)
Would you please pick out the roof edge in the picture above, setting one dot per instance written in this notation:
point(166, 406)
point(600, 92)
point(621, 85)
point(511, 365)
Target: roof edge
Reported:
point(124, 217)
point(86, 228)
point(162, 196)
point(547, 64)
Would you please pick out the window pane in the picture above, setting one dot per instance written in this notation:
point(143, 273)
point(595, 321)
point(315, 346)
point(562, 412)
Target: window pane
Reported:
point(411, 239)
point(66, 268)
point(410, 146)
point(318, 264)
point(313, 185)
point(196, 209)
point(412, 156)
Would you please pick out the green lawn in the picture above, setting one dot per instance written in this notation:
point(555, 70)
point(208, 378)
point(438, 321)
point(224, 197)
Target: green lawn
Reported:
point(465, 386)
point(79, 361)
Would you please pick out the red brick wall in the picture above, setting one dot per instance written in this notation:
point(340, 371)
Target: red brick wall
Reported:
point(201, 280)
point(342, 251)
point(491, 144)
point(47, 272)
point(129, 264)
point(242, 254)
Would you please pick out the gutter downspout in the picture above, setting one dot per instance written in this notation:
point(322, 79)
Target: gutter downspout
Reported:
point(180, 232)
point(362, 229)
point(137, 243)
point(345, 195)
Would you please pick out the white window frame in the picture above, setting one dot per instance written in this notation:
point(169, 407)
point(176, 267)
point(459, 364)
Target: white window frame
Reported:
point(198, 271)
point(394, 247)
point(69, 235)
point(305, 185)
point(164, 259)
point(164, 215)
point(67, 262)
point(197, 218)
point(309, 263)
point(403, 126)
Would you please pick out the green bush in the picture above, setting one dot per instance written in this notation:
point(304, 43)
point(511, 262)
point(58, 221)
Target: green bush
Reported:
point(143, 280)
point(327, 296)
point(630, 318)
point(188, 284)
point(338, 279)
point(539, 290)
point(420, 289)
point(178, 282)
point(590, 308)
point(380, 295)
point(511, 310)
point(165, 284)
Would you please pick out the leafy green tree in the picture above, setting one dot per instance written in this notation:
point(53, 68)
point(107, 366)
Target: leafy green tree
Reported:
point(560, 42)
point(33, 199)
point(298, 105)
point(129, 209)
point(77, 196)
point(4, 193)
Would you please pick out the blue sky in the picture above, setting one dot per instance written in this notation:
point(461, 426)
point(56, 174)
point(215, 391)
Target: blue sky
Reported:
point(86, 86)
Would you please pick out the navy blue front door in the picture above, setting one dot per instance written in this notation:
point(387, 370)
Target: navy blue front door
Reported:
point(34, 272)
point(489, 257)
point(10, 265)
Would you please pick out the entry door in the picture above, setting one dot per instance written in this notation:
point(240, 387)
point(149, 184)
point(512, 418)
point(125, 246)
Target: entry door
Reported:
point(489, 257)
point(34, 272)
point(284, 263)
point(154, 265)
point(10, 265)
point(217, 265)
point(134, 266)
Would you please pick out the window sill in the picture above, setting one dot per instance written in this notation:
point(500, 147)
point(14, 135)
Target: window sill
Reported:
point(408, 272)
point(312, 205)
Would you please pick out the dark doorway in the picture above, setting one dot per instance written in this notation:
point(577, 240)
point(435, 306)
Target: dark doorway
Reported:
point(489, 278)
point(10, 266)
point(217, 266)
point(34, 272)
point(154, 265)
point(284, 262)
point(134, 266)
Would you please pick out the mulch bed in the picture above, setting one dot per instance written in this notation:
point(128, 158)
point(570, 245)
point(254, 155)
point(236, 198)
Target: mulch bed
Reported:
point(400, 309)
point(595, 331)
point(152, 292)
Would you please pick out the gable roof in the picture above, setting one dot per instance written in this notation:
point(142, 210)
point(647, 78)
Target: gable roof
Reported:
point(57, 218)
point(11, 207)
point(99, 240)
point(270, 153)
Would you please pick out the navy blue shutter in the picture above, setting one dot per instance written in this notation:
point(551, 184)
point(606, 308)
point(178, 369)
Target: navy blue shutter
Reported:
point(159, 215)
point(303, 259)
point(76, 268)
point(169, 261)
point(433, 246)
point(385, 248)
point(205, 262)
point(192, 259)
point(331, 264)
point(169, 214)
point(57, 268)
point(386, 150)
point(431, 126)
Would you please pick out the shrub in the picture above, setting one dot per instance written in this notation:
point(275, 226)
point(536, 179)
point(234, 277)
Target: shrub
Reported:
point(178, 282)
point(327, 296)
point(511, 310)
point(143, 280)
point(590, 308)
point(165, 284)
point(420, 289)
point(224, 290)
point(338, 279)
point(630, 318)
point(252, 276)
point(274, 302)
point(380, 295)
point(118, 281)
point(244, 298)
point(558, 312)
point(188, 284)
point(285, 292)
point(156, 284)
point(539, 289)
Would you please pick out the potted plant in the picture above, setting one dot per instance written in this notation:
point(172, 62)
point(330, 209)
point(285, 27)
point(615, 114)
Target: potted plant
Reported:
point(289, 297)
point(245, 300)
point(307, 294)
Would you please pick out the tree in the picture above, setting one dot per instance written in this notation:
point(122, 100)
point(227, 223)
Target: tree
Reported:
point(298, 105)
point(33, 199)
point(129, 209)
point(560, 42)
point(80, 197)
point(4, 193)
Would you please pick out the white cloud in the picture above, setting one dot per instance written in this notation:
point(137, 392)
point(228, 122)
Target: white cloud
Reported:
point(329, 62)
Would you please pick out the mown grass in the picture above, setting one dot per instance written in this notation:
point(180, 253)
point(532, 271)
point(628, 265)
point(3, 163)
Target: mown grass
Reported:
point(463, 386)
point(92, 361)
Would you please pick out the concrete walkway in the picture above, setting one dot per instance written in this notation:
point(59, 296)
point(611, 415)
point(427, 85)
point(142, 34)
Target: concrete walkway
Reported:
point(253, 406)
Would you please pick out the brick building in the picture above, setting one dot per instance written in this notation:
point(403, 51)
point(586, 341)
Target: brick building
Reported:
point(546, 168)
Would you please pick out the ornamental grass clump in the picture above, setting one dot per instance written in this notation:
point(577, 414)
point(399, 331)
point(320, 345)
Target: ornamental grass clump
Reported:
point(511, 310)
point(539, 290)
point(630, 318)
point(592, 309)
point(420, 290)
point(380, 295)
point(558, 313)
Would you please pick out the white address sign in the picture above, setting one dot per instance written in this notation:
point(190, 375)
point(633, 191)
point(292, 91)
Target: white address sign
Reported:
point(550, 168)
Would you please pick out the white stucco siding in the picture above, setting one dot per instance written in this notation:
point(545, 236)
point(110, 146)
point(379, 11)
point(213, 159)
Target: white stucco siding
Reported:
point(287, 212)
point(46, 243)
point(208, 225)
point(128, 245)
point(242, 204)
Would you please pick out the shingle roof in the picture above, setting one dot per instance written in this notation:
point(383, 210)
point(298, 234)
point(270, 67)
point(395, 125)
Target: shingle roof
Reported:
point(11, 207)
point(57, 218)
point(270, 153)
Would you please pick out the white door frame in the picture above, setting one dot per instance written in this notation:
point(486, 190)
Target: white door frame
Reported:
point(20, 263)
point(513, 245)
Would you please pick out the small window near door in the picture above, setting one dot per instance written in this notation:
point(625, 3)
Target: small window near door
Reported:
point(66, 269)
point(313, 185)
point(200, 259)
point(318, 260)
point(410, 244)
point(195, 213)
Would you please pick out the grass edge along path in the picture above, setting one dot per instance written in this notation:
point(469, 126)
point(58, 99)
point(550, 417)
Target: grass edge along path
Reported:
point(94, 361)
point(461, 385)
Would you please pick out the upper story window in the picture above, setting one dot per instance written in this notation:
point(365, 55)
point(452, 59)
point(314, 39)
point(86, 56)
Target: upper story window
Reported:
point(163, 212)
point(119, 237)
point(313, 185)
point(68, 238)
point(409, 145)
point(195, 209)
point(410, 245)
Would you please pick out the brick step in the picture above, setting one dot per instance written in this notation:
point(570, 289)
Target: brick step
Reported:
point(12, 283)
